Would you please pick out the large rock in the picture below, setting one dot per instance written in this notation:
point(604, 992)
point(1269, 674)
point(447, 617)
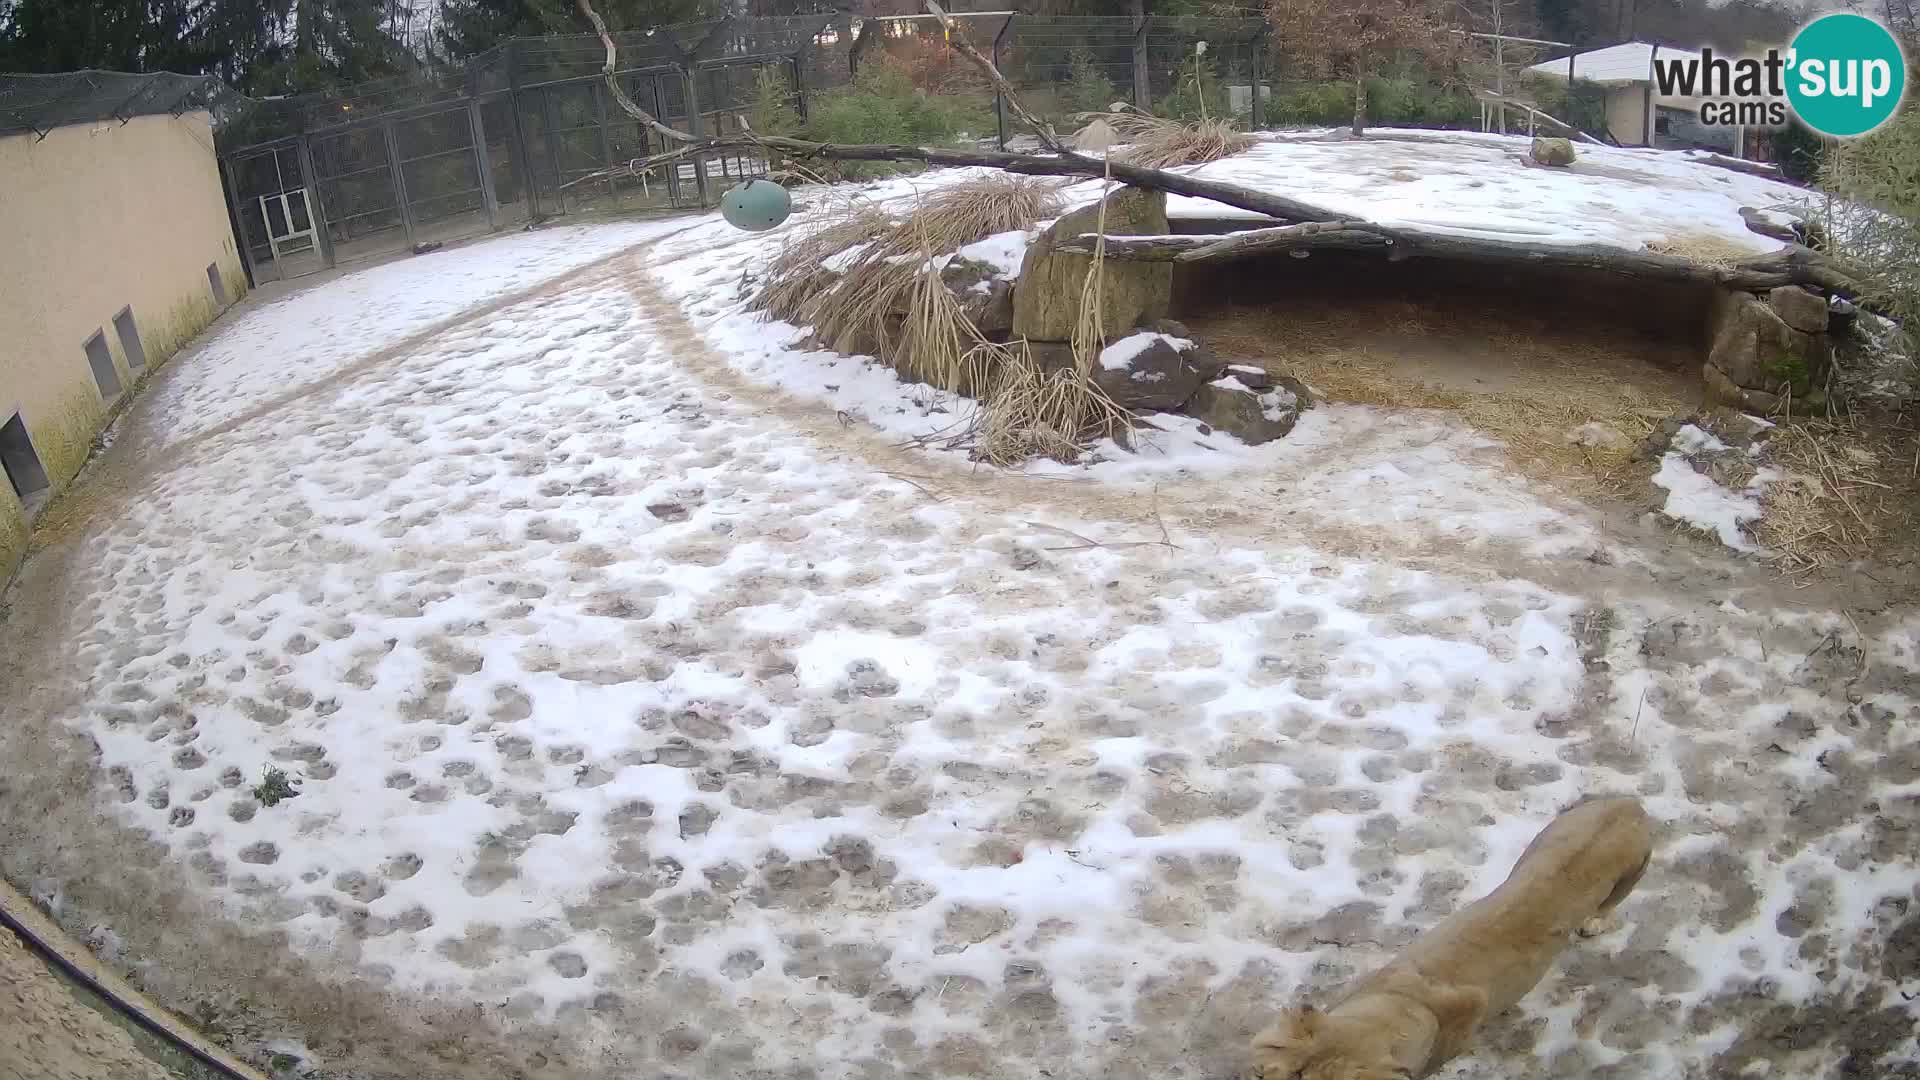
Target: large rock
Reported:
point(1252, 416)
point(1046, 301)
point(1548, 151)
point(986, 300)
point(1147, 371)
point(1756, 349)
point(1800, 308)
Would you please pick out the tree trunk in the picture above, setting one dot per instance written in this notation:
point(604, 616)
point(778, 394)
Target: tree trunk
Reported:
point(1359, 99)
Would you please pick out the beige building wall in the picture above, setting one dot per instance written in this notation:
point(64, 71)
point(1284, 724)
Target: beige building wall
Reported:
point(95, 218)
point(1627, 114)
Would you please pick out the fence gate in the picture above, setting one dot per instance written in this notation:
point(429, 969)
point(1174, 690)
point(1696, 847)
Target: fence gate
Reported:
point(273, 206)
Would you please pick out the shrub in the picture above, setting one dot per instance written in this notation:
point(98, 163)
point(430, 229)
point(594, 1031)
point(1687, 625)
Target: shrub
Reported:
point(883, 106)
point(1881, 237)
point(275, 787)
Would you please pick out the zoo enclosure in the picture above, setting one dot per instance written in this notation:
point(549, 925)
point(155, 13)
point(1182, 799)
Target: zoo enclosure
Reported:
point(512, 136)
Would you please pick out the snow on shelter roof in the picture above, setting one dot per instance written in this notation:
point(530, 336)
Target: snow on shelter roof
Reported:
point(1623, 64)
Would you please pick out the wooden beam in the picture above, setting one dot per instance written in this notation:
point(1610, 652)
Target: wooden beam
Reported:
point(1793, 265)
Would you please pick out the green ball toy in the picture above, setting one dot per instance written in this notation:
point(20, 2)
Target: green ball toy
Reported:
point(755, 205)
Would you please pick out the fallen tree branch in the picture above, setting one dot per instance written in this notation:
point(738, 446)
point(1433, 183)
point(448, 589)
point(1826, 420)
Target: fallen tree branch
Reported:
point(957, 40)
point(1541, 119)
point(1791, 265)
point(627, 104)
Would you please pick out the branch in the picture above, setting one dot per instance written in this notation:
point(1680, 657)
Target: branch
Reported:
point(627, 104)
point(957, 38)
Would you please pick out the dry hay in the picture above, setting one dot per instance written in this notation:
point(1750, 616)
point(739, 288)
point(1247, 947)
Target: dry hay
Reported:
point(1155, 142)
point(1845, 491)
point(889, 299)
point(1705, 248)
point(1547, 391)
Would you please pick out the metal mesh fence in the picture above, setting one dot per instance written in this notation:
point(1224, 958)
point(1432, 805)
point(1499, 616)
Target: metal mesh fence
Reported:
point(529, 129)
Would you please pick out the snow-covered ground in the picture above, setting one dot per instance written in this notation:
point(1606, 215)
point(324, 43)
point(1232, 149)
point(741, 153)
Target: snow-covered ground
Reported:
point(637, 677)
point(276, 348)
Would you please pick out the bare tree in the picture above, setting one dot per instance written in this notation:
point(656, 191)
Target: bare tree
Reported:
point(1355, 37)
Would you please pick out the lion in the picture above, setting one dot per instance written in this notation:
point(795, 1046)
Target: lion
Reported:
point(1421, 1010)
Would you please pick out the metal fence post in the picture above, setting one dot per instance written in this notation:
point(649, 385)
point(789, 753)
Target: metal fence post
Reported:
point(691, 73)
point(606, 141)
point(797, 62)
point(482, 164)
point(399, 181)
point(231, 186)
point(1142, 79)
point(316, 206)
point(549, 129)
point(1259, 70)
point(517, 148)
point(1000, 99)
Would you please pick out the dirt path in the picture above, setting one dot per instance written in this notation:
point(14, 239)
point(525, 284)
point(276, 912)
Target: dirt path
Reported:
point(1261, 746)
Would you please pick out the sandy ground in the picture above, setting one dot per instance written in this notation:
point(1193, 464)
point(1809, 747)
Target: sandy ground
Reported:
point(1039, 806)
point(50, 1030)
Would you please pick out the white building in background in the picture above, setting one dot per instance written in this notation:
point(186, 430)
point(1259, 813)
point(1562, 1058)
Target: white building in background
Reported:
point(1637, 113)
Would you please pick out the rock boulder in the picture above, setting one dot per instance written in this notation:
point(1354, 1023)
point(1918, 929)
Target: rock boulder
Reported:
point(1252, 416)
point(1046, 301)
point(1558, 152)
point(1147, 371)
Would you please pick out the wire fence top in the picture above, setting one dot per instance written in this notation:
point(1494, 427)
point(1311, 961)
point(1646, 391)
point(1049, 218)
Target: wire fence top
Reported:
point(40, 103)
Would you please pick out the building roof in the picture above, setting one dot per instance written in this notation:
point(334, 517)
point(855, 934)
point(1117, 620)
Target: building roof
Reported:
point(1625, 64)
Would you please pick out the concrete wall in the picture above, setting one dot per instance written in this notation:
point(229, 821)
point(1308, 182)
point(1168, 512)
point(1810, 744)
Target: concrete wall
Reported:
point(94, 218)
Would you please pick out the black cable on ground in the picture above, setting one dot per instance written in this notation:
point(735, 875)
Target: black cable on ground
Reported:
point(120, 1005)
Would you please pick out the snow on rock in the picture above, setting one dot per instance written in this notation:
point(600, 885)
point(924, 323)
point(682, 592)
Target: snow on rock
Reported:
point(1122, 353)
point(1004, 252)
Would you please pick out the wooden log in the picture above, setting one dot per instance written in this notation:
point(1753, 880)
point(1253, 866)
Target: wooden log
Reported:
point(1751, 168)
point(1793, 265)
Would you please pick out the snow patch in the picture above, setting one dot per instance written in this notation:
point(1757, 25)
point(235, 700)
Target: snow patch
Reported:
point(1695, 499)
point(1002, 251)
point(1120, 355)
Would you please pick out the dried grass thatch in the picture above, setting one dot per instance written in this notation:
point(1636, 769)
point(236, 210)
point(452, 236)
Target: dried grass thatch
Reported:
point(1155, 142)
point(1844, 491)
point(886, 297)
point(858, 303)
point(1705, 248)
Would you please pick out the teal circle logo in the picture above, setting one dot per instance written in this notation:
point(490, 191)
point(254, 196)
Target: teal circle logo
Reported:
point(1846, 74)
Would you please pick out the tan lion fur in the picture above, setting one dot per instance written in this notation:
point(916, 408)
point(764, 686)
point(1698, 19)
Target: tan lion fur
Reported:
point(1410, 1017)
